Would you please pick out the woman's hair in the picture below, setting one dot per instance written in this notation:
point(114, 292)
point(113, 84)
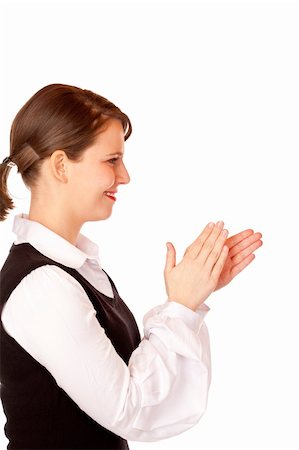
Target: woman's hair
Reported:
point(58, 116)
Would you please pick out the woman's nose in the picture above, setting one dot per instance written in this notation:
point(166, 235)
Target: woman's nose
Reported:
point(123, 175)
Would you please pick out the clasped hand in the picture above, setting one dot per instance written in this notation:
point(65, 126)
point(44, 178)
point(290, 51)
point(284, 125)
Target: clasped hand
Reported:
point(209, 263)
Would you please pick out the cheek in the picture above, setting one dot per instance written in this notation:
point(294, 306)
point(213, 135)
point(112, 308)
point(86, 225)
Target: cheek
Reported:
point(102, 181)
point(93, 183)
point(106, 177)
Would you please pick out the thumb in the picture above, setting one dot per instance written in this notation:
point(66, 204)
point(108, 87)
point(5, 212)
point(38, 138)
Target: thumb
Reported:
point(170, 257)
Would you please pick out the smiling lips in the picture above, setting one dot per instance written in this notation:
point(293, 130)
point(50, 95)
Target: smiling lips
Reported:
point(110, 195)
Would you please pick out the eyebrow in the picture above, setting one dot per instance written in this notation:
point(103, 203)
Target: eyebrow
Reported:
point(114, 154)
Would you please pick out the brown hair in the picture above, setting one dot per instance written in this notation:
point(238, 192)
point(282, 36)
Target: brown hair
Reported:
point(58, 116)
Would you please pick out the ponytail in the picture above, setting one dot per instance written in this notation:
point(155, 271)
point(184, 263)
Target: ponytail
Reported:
point(6, 202)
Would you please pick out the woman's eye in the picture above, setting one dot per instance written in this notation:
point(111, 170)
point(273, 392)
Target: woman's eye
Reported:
point(113, 160)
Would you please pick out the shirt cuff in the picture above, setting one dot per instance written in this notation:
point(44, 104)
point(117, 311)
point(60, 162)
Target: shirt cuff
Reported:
point(193, 319)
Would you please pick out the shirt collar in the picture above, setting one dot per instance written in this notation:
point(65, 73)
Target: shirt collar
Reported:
point(52, 245)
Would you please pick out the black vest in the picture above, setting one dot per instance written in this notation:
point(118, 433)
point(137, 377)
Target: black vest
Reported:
point(40, 414)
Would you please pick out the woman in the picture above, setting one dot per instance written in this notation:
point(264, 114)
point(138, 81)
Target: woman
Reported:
point(75, 373)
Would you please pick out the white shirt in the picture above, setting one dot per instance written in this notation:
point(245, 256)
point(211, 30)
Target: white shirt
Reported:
point(162, 391)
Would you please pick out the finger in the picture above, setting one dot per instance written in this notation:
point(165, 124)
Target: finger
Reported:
point(218, 266)
point(241, 266)
point(245, 243)
point(170, 257)
point(216, 251)
point(196, 246)
point(247, 251)
point(209, 244)
point(233, 240)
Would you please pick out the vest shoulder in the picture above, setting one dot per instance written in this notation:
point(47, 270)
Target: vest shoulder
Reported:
point(26, 267)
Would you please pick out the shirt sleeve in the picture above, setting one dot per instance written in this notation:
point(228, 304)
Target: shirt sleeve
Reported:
point(162, 391)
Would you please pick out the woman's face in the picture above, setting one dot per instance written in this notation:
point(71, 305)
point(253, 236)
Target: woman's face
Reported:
point(100, 170)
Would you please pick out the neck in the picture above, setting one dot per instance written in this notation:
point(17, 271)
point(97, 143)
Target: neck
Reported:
point(61, 224)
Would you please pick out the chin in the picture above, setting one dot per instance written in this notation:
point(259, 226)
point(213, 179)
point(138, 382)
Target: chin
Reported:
point(100, 215)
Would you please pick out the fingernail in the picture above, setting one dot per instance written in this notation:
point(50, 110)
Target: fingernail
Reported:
point(219, 224)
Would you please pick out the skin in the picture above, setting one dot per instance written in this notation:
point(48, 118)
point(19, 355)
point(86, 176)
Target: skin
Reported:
point(75, 195)
point(241, 247)
point(75, 190)
point(210, 262)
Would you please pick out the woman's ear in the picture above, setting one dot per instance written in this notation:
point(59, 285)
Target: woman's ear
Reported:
point(58, 163)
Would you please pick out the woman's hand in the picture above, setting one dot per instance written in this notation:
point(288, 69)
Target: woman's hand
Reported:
point(241, 247)
point(196, 276)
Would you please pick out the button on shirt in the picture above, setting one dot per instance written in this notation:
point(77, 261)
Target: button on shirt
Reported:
point(163, 390)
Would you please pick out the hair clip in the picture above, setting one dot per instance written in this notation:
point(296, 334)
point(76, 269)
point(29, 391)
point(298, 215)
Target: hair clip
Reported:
point(8, 161)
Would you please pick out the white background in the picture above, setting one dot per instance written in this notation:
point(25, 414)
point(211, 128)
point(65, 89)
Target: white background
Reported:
point(211, 88)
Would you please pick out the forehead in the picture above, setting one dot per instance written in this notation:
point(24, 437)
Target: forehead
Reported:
point(111, 138)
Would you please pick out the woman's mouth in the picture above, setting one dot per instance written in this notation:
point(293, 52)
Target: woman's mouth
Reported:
point(110, 195)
